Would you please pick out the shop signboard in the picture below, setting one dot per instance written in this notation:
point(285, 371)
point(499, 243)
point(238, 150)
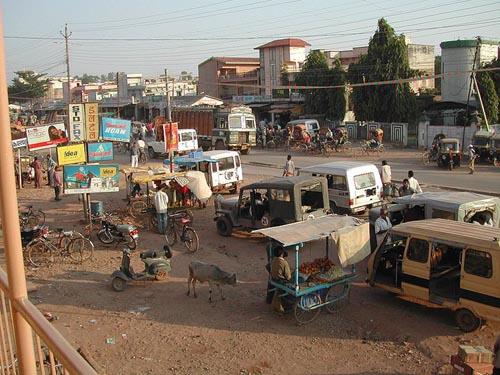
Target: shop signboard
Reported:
point(76, 123)
point(101, 151)
point(91, 178)
point(171, 136)
point(92, 121)
point(46, 136)
point(18, 143)
point(72, 154)
point(115, 129)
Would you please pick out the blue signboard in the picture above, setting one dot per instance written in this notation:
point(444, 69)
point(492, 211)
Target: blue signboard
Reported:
point(100, 151)
point(102, 178)
point(115, 129)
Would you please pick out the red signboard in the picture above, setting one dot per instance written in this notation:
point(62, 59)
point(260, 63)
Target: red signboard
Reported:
point(170, 135)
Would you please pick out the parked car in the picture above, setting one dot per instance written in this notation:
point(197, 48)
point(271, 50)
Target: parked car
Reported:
point(273, 202)
point(456, 206)
point(442, 263)
point(352, 186)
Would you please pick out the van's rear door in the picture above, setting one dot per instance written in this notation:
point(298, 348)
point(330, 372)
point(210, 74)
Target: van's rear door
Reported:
point(366, 190)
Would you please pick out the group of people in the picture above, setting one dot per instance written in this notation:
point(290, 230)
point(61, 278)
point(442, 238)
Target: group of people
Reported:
point(409, 186)
point(137, 151)
point(36, 171)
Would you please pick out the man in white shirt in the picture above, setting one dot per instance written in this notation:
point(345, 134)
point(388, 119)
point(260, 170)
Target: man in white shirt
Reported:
point(289, 169)
point(382, 225)
point(161, 205)
point(142, 147)
point(386, 175)
point(414, 185)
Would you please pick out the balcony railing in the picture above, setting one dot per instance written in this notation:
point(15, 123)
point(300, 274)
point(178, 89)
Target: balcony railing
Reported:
point(50, 354)
point(239, 77)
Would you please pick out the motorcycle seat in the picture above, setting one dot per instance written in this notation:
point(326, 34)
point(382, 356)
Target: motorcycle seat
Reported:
point(124, 227)
point(185, 220)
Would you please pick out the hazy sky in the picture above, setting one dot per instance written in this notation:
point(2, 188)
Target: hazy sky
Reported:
point(327, 24)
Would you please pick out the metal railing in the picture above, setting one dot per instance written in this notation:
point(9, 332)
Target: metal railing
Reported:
point(52, 354)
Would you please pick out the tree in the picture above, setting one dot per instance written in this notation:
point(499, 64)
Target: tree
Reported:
point(89, 78)
point(28, 85)
point(488, 95)
point(387, 59)
point(111, 76)
point(315, 72)
point(437, 70)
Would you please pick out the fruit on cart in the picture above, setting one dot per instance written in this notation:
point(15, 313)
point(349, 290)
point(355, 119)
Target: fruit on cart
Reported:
point(316, 266)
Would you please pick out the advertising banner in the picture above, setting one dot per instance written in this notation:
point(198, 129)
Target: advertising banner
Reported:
point(100, 151)
point(18, 143)
point(46, 136)
point(92, 121)
point(116, 129)
point(76, 123)
point(171, 136)
point(81, 179)
point(72, 154)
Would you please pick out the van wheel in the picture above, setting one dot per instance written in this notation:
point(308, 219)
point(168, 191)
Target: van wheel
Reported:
point(224, 226)
point(466, 320)
point(333, 207)
point(246, 151)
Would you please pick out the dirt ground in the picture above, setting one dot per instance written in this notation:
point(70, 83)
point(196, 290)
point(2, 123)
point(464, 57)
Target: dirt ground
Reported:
point(154, 328)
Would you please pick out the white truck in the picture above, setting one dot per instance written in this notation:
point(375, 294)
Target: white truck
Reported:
point(188, 141)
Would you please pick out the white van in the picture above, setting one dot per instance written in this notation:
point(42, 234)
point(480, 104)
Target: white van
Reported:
point(312, 125)
point(222, 168)
point(188, 140)
point(352, 186)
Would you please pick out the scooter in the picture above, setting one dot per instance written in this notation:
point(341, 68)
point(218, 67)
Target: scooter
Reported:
point(121, 233)
point(156, 267)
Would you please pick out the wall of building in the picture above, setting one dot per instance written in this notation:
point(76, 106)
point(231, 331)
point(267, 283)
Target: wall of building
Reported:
point(208, 78)
point(421, 58)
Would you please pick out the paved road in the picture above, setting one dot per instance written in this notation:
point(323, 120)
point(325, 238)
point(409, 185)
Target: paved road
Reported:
point(486, 178)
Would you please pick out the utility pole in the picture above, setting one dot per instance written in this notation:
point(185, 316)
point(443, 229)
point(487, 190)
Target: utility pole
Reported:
point(168, 111)
point(66, 38)
point(117, 95)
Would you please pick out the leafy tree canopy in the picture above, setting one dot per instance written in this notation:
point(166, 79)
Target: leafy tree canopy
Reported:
point(28, 85)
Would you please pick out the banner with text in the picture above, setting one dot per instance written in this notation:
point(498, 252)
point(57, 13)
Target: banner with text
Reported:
point(171, 136)
point(46, 136)
point(115, 129)
point(76, 123)
point(92, 121)
point(100, 151)
point(18, 143)
point(72, 154)
point(81, 179)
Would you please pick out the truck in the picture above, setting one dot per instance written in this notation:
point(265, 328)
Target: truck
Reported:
point(220, 128)
point(187, 141)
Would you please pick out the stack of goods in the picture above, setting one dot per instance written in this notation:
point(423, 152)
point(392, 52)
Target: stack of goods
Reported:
point(321, 270)
point(472, 360)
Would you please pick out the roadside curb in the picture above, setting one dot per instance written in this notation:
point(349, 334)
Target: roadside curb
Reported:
point(450, 188)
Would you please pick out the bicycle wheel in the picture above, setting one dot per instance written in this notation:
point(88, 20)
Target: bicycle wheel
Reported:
point(191, 240)
point(171, 234)
point(39, 253)
point(36, 218)
point(80, 249)
point(305, 309)
point(137, 208)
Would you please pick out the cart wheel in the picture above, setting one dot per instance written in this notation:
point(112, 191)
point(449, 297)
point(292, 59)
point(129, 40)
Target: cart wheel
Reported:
point(161, 275)
point(466, 320)
point(337, 298)
point(118, 284)
point(304, 310)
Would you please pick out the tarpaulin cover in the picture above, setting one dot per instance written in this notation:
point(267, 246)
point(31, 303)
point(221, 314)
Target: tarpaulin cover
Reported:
point(198, 185)
point(353, 244)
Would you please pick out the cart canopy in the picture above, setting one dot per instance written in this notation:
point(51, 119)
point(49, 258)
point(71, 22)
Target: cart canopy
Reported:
point(198, 185)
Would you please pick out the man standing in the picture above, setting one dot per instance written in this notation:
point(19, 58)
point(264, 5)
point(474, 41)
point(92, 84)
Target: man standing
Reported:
point(472, 158)
point(51, 164)
point(161, 205)
point(37, 166)
point(280, 272)
point(57, 182)
point(382, 225)
point(413, 183)
point(386, 175)
point(405, 188)
point(289, 169)
point(134, 155)
point(142, 148)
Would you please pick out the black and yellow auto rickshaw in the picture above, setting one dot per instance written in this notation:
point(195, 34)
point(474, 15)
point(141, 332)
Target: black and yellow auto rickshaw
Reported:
point(449, 153)
point(495, 149)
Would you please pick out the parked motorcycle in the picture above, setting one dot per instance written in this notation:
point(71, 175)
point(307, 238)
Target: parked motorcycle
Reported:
point(120, 233)
point(29, 234)
point(156, 267)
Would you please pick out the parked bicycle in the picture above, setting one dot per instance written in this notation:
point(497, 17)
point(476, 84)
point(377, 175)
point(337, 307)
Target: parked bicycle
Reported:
point(31, 218)
point(178, 229)
point(73, 244)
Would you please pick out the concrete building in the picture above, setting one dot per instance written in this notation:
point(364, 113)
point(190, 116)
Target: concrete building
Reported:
point(457, 58)
point(220, 76)
point(277, 56)
point(420, 56)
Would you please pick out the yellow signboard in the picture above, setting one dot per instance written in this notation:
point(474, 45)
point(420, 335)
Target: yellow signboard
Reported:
point(92, 121)
point(72, 154)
